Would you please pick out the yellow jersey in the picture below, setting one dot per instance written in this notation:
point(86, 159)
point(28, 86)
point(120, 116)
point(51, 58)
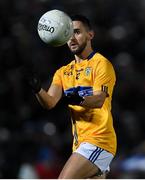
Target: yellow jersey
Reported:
point(93, 125)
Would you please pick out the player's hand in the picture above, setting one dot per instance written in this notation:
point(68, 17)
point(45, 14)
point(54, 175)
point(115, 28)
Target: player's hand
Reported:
point(73, 99)
point(32, 79)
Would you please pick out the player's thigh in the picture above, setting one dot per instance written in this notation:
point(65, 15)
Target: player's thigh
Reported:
point(78, 167)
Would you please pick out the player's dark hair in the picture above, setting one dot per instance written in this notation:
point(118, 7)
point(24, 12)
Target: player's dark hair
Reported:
point(83, 19)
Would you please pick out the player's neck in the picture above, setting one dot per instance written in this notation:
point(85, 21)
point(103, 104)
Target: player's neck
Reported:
point(83, 56)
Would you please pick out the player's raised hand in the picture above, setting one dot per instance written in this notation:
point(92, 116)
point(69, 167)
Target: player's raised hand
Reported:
point(31, 78)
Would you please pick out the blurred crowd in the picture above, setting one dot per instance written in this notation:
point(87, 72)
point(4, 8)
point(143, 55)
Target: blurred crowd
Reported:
point(35, 143)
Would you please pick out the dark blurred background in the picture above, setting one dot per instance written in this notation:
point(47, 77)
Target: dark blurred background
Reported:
point(35, 143)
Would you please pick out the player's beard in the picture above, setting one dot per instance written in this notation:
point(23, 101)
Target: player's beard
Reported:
point(80, 49)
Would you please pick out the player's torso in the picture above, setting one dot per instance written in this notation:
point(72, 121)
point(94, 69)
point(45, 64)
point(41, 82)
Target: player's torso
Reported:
point(91, 123)
point(79, 76)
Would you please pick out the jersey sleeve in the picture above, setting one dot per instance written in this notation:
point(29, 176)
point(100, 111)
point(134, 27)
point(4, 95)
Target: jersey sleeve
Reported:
point(104, 77)
point(57, 78)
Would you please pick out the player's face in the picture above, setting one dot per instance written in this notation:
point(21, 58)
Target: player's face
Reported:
point(80, 39)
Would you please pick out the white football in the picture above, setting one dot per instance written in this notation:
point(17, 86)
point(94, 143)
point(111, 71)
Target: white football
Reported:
point(55, 28)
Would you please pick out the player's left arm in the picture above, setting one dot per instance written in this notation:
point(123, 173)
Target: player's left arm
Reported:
point(103, 86)
point(95, 101)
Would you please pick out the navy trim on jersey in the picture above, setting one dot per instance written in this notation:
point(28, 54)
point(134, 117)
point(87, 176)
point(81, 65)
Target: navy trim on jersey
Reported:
point(82, 90)
point(91, 55)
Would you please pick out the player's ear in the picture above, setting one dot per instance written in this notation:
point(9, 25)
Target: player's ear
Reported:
point(91, 34)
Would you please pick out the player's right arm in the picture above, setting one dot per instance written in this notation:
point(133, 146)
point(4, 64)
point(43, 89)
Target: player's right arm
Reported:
point(48, 99)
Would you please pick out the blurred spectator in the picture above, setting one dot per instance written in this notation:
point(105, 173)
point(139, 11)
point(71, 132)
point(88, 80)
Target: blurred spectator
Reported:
point(27, 171)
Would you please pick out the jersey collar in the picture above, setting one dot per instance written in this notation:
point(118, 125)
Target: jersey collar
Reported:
point(91, 55)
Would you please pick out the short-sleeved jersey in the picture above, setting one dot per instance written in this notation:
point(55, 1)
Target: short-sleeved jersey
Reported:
point(93, 125)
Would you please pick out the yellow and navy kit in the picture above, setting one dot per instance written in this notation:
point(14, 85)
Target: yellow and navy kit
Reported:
point(91, 125)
